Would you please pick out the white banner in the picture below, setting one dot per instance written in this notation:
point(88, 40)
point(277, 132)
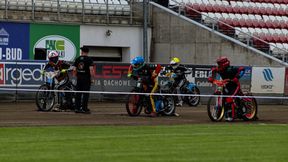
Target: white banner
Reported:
point(267, 80)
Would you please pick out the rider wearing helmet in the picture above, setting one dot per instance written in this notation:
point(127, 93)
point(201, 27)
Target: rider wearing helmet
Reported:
point(230, 73)
point(148, 74)
point(179, 76)
point(58, 65)
point(227, 72)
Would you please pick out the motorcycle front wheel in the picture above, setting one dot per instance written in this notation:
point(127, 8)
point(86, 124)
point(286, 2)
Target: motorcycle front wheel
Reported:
point(215, 108)
point(134, 104)
point(45, 100)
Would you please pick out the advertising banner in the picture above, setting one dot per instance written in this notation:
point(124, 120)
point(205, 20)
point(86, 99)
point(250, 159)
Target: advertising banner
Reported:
point(245, 80)
point(21, 74)
point(199, 76)
point(286, 81)
point(14, 41)
point(112, 77)
point(268, 80)
point(61, 38)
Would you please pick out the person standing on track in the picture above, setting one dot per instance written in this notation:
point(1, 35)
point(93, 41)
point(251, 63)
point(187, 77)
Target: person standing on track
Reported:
point(83, 69)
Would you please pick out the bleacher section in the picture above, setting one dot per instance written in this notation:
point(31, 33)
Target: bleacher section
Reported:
point(115, 7)
point(111, 8)
point(261, 23)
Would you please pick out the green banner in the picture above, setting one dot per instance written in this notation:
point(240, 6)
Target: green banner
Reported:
point(65, 39)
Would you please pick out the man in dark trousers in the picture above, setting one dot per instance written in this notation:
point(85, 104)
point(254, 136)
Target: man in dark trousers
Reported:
point(83, 68)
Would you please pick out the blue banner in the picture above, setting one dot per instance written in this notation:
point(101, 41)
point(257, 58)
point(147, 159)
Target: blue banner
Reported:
point(14, 41)
point(21, 74)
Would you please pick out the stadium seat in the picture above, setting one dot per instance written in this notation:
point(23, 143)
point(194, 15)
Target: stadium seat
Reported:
point(88, 8)
point(21, 4)
point(12, 5)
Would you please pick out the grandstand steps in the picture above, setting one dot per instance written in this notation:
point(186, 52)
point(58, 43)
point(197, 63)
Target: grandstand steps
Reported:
point(174, 34)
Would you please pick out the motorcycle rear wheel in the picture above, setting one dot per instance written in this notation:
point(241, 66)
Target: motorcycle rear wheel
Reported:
point(193, 100)
point(251, 109)
point(169, 104)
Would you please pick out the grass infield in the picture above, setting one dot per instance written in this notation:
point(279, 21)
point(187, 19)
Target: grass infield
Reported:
point(224, 142)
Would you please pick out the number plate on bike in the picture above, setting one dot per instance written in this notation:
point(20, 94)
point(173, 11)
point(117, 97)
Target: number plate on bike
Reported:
point(164, 82)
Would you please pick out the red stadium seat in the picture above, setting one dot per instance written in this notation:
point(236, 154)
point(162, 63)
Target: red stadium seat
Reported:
point(209, 8)
point(229, 9)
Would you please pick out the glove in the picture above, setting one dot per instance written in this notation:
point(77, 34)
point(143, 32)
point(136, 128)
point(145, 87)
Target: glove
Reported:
point(63, 70)
point(210, 80)
point(235, 80)
point(129, 75)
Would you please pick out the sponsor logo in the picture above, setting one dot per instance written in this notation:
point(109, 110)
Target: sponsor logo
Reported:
point(203, 84)
point(4, 37)
point(267, 87)
point(6, 52)
point(268, 75)
point(65, 47)
point(21, 74)
point(202, 73)
point(112, 71)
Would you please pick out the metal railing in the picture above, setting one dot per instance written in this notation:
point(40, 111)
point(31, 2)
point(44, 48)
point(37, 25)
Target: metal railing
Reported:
point(108, 9)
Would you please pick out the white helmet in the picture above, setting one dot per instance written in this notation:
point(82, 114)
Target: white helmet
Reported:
point(53, 57)
point(52, 54)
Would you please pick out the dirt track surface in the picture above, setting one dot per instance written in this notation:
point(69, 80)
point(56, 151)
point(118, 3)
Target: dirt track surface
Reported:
point(26, 114)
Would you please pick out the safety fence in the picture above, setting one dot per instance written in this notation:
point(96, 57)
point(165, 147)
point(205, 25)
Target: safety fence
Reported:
point(20, 80)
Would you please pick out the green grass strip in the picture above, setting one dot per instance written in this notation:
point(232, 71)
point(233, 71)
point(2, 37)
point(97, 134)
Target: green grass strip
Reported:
point(185, 143)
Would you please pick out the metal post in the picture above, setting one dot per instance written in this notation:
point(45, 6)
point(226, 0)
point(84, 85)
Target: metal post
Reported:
point(145, 26)
point(131, 11)
point(83, 11)
point(107, 12)
point(58, 10)
point(33, 10)
point(6, 9)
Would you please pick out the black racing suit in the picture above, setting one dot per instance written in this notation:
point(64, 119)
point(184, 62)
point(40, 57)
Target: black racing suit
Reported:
point(148, 74)
point(233, 74)
point(179, 78)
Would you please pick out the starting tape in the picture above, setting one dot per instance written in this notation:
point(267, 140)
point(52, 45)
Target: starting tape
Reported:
point(128, 93)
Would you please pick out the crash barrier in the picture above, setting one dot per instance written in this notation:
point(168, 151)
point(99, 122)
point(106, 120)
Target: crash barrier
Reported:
point(20, 80)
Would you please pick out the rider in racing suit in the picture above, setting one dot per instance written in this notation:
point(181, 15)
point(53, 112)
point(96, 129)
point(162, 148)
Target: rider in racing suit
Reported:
point(230, 73)
point(62, 77)
point(179, 76)
point(148, 74)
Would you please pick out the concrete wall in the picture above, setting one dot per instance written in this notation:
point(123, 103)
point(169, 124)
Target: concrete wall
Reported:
point(173, 36)
point(130, 38)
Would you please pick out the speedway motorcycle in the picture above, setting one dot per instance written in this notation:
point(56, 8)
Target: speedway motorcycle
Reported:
point(49, 96)
point(191, 91)
point(244, 107)
point(139, 98)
